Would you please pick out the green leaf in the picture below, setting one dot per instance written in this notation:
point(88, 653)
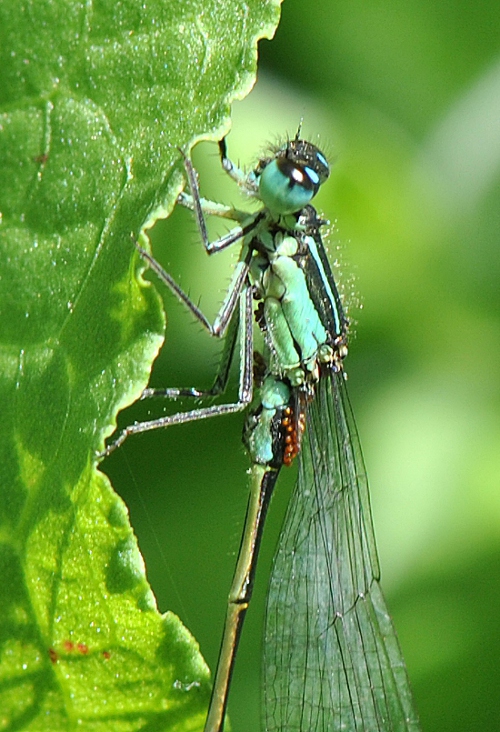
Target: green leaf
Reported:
point(95, 98)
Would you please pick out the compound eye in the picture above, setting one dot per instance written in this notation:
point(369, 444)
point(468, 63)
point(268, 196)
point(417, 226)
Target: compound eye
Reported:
point(300, 175)
point(286, 187)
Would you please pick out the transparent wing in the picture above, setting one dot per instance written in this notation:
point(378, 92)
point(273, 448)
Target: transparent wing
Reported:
point(331, 656)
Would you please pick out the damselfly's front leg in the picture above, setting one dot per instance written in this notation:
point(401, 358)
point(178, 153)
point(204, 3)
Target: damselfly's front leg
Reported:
point(202, 208)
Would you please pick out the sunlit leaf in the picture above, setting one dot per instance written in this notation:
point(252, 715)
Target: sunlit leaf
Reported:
point(95, 99)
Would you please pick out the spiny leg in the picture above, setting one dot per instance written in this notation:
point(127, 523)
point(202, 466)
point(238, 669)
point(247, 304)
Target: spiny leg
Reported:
point(238, 279)
point(222, 376)
point(245, 388)
point(202, 207)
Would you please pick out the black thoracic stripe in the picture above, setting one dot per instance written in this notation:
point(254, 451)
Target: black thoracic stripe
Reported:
point(328, 304)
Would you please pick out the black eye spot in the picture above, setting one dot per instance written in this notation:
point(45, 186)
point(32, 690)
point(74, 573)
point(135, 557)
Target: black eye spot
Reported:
point(295, 174)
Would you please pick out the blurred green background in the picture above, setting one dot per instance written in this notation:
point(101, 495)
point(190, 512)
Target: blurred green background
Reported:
point(405, 99)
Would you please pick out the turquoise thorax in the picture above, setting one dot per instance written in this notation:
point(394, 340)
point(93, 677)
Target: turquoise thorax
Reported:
point(297, 337)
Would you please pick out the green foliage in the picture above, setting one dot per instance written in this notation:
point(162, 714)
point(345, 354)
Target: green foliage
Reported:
point(94, 99)
point(404, 98)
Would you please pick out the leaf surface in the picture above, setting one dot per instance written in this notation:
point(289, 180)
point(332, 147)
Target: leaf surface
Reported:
point(95, 99)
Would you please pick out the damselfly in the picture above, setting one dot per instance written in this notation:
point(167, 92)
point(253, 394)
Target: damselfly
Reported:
point(331, 655)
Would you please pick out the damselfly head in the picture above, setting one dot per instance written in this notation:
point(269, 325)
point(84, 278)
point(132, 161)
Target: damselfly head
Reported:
point(291, 177)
